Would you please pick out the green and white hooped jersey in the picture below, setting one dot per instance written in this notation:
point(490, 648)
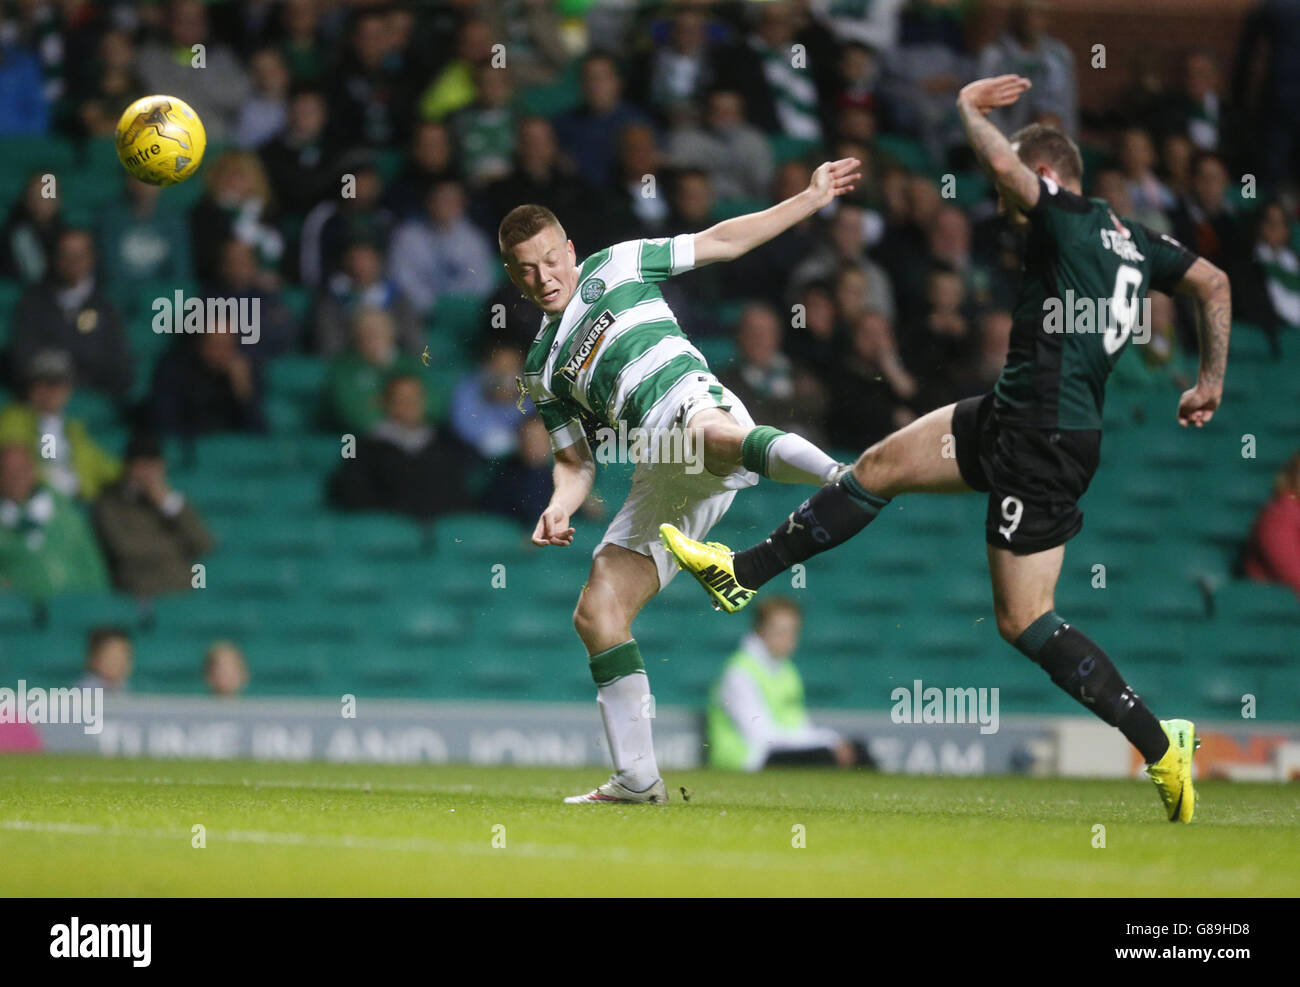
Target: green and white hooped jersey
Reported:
point(616, 350)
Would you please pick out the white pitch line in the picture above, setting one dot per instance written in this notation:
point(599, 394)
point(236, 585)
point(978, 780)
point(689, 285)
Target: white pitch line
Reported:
point(557, 851)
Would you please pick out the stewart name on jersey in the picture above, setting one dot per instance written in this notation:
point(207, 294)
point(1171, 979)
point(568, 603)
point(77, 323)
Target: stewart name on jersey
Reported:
point(616, 349)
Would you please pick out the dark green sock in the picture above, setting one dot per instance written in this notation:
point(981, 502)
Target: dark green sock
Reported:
point(1087, 674)
point(830, 517)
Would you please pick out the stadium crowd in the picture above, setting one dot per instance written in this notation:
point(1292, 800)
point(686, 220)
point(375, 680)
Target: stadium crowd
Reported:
point(657, 120)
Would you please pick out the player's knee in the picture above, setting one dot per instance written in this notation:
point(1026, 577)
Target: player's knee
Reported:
point(875, 470)
point(594, 618)
point(1014, 621)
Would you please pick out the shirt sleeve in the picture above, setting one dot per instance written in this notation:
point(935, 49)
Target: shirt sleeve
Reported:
point(663, 257)
point(1169, 261)
point(560, 418)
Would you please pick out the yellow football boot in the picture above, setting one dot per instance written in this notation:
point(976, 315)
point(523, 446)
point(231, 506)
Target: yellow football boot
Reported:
point(711, 566)
point(1172, 774)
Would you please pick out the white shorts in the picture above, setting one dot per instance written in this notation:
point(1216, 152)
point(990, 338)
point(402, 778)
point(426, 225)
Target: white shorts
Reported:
point(683, 494)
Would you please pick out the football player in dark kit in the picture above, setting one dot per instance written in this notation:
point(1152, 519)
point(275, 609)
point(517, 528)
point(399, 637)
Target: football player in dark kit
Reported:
point(1032, 443)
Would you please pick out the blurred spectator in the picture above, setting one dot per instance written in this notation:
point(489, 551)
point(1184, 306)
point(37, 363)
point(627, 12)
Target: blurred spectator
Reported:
point(266, 111)
point(540, 176)
point(72, 462)
point(1149, 199)
point(217, 91)
point(336, 222)
point(360, 284)
point(1025, 48)
point(923, 74)
point(402, 465)
point(1200, 111)
point(523, 484)
point(1204, 219)
point(206, 383)
point(23, 106)
point(225, 670)
point(150, 533)
point(31, 232)
point(46, 546)
point(590, 132)
point(302, 45)
point(770, 386)
point(141, 241)
point(240, 277)
point(357, 377)
point(810, 341)
point(69, 312)
point(779, 98)
point(441, 253)
point(484, 415)
point(456, 86)
point(846, 237)
point(485, 130)
point(111, 84)
point(756, 715)
point(298, 159)
point(868, 391)
point(941, 349)
point(237, 204)
point(431, 159)
point(372, 94)
point(875, 24)
point(110, 658)
point(639, 207)
point(736, 155)
point(911, 205)
point(1272, 555)
point(677, 72)
point(1278, 265)
point(1270, 34)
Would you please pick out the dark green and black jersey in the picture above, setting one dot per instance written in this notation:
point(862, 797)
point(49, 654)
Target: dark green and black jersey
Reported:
point(1083, 281)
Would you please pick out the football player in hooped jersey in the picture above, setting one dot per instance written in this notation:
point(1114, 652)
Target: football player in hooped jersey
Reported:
point(1033, 443)
point(610, 349)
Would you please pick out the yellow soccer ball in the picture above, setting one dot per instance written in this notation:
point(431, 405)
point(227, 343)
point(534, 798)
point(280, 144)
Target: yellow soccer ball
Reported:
point(160, 140)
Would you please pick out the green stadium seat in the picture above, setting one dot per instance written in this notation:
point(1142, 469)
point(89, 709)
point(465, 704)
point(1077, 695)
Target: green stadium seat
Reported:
point(83, 611)
point(16, 613)
point(54, 656)
point(1259, 603)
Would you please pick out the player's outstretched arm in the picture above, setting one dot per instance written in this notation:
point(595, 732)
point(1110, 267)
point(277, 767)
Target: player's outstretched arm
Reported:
point(1213, 325)
point(733, 237)
point(1017, 183)
point(573, 475)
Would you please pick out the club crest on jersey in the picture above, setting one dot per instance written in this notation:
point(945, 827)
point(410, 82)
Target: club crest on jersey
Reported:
point(588, 346)
point(592, 289)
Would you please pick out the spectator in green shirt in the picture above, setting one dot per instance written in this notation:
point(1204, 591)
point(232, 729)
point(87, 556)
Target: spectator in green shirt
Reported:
point(46, 546)
point(357, 376)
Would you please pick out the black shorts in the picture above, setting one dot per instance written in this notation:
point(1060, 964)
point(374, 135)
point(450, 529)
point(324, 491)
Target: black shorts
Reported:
point(1034, 476)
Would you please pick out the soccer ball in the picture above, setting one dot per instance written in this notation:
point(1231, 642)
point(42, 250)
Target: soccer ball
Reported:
point(160, 140)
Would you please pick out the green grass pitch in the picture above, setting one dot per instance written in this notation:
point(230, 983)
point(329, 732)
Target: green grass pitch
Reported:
point(76, 826)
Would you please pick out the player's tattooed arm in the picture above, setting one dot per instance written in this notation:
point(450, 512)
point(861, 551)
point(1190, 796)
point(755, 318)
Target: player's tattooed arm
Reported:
point(1214, 304)
point(1213, 325)
point(1017, 183)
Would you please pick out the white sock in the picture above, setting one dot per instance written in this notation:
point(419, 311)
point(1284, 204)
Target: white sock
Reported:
point(625, 706)
point(793, 459)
